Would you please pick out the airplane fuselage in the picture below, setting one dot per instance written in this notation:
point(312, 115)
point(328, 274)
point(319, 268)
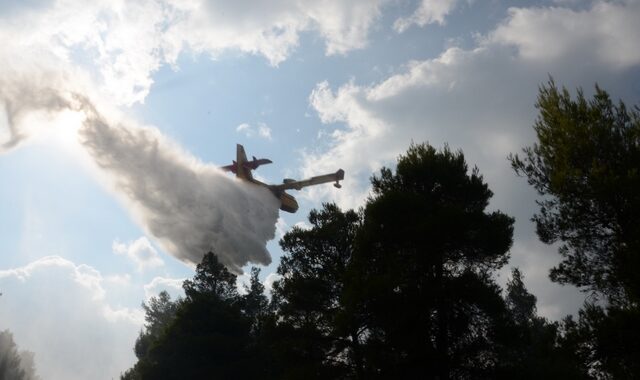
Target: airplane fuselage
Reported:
point(242, 169)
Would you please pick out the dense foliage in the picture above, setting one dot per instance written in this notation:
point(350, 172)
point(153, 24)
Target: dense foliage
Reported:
point(14, 364)
point(586, 165)
point(210, 331)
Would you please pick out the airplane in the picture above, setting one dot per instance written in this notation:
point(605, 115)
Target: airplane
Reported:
point(242, 168)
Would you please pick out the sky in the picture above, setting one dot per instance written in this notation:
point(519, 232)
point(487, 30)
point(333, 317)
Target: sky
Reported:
point(114, 116)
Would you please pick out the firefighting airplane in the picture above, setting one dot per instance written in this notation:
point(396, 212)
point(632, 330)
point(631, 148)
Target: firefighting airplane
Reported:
point(242, 168)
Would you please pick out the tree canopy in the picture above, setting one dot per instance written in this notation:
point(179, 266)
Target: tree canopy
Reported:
point(206, 335)
point(586, 167)
point(14, 364)
point(426, 251)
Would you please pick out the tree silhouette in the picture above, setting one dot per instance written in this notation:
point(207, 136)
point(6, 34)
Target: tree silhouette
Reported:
point(586, 165)
point(159, 313)
point(422, 267)
point(14, 364)
point(308, 297)
point(210, 335)
point(530, 345)
point(255, 304)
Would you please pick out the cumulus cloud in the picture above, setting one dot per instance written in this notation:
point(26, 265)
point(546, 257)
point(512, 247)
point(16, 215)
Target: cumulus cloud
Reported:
point(428, 12)
point(304, 225)
point(121, 44)
point(140, 251)
point(605, 34)
point(119, 279)
point(243, 282)
point(262, 130)
point(281, 228)
point(441, 99)
point(269, 280)
point(173, 286)
point(444, 99)
point(58, 309)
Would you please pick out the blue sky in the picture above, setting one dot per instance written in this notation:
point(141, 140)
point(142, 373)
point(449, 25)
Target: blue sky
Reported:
point(312, 86)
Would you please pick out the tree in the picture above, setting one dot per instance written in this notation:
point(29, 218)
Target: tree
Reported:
point(210, 335)
point(586, 167)
point(308, 298)
point(422, 267)
point(255, 304)
point(159, 313)
point(212, 279)
point(520, 302)
point(14, 364)
point(530, 345)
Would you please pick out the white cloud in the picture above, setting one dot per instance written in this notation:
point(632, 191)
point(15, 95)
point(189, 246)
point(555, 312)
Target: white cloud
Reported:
point(244, 128)
point(58, 310)
point(173, 286)
point(444, 100)
point(244, 281)
point(264, 131)
point(269, 280)
point(261, 130)
point(304, 225)
point(533, 259)
point(428, 12)
point(140, 251)
point(605, 34)
point(480, 100)
point(120, 44)
point(281, 227)
point(84, 275)
point(118, 279)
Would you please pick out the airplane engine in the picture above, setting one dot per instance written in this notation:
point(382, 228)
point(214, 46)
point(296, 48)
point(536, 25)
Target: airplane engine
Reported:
point(288, 203)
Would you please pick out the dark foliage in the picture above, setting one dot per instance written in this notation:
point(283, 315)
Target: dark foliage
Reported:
point(209, 334)
point(312, 339)
point(421, 274)
point(530, 346)
point(159, 312)
point(605, 341)
point(14, 364)
point(586, 165)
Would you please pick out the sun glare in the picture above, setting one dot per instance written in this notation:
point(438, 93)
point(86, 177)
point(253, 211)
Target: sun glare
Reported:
point(60, 131)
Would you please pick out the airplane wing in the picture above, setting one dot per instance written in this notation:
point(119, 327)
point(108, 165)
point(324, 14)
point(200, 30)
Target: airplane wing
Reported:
point(298, 185)
point(229, 168)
